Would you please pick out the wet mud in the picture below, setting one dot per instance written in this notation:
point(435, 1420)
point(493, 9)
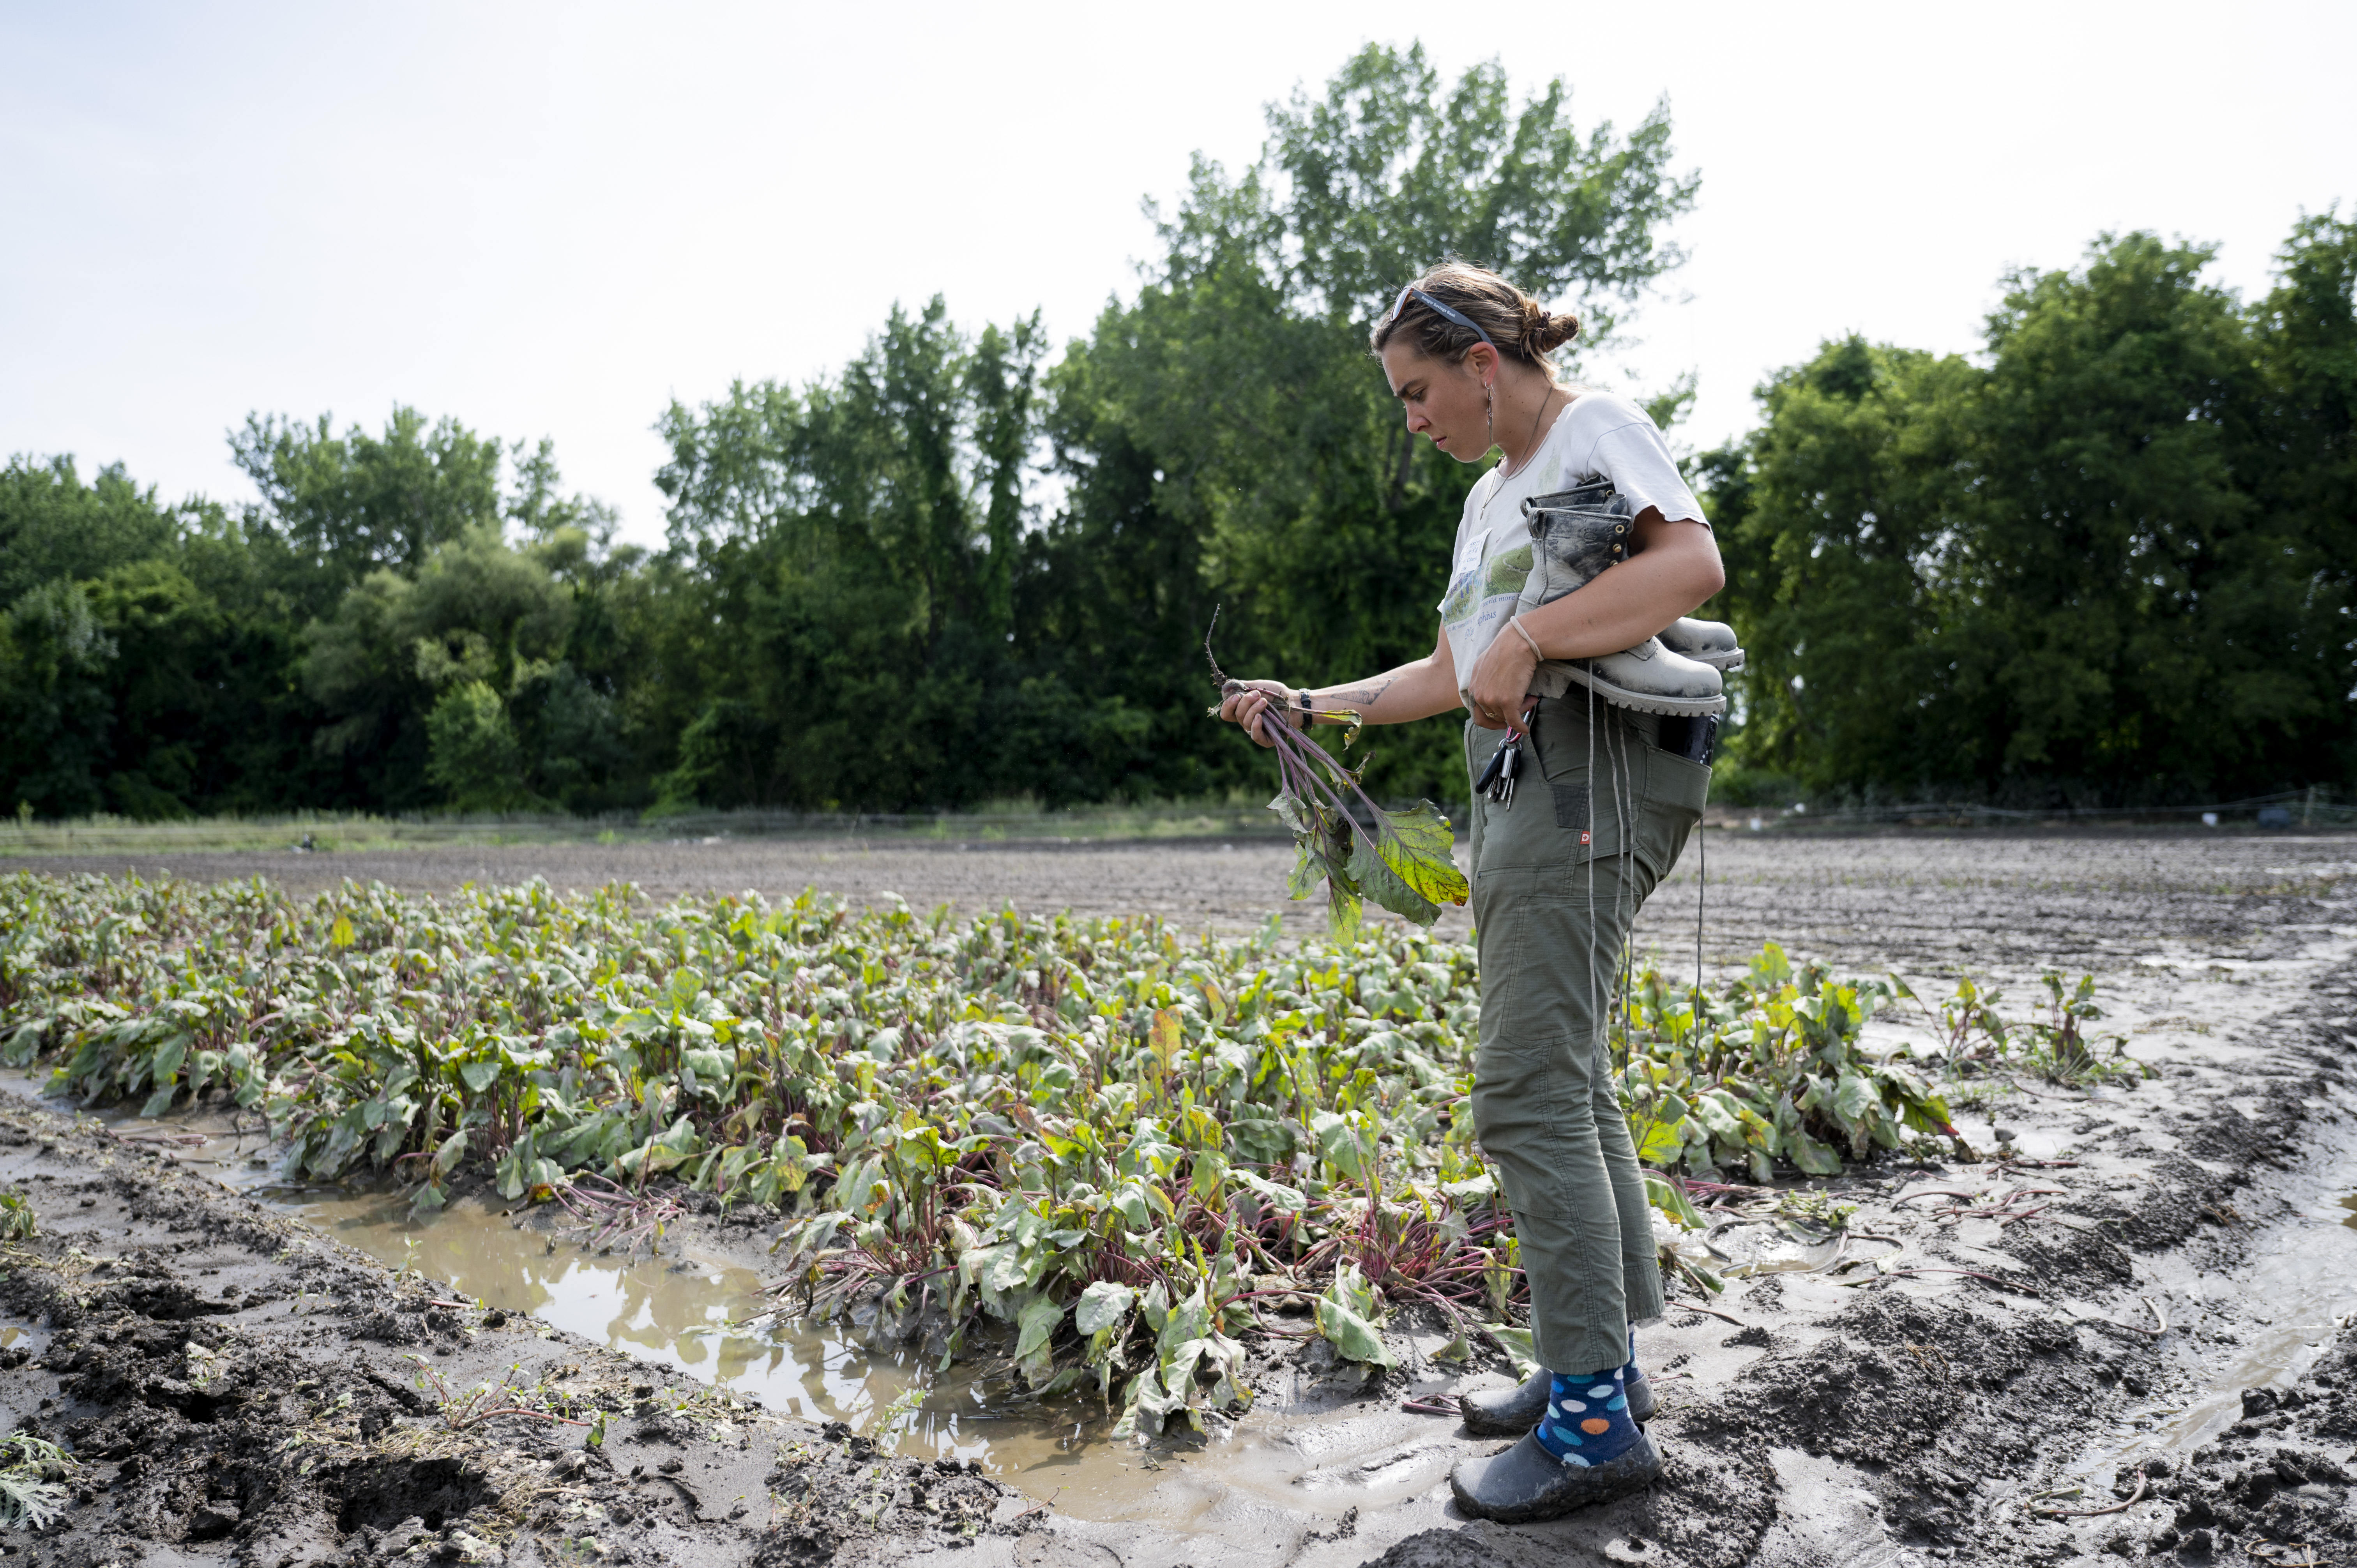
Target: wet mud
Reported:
point(2160, 1363)
point(235, 1387)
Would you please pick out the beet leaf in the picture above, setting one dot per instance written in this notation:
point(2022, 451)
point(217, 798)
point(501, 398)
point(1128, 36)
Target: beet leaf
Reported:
point(1401, 860)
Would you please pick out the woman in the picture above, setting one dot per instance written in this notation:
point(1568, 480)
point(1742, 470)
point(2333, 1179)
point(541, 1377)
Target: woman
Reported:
point(1558, 872)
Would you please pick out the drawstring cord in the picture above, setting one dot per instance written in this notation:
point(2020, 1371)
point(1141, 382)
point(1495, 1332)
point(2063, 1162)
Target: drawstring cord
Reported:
point(1702, 891)
point(1595, 998)
point(1624, 788)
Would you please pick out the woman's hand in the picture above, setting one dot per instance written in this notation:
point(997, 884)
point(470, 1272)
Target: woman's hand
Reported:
point(1260, 697)
point(1502, 681)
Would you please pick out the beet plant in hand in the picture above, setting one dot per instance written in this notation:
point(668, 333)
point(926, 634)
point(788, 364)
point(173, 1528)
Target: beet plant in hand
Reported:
point(1402, 860)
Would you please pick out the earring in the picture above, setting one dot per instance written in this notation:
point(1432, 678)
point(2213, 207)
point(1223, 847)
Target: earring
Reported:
point(1490, 412)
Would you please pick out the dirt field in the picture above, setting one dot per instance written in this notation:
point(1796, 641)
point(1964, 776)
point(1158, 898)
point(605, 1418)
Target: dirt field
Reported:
point(2127, 1331)
point(1862, 902)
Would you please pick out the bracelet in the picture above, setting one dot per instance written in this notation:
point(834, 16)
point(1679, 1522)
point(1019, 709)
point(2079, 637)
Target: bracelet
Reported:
point(1516, 622)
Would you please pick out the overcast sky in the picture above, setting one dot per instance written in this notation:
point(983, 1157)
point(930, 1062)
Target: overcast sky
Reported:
point(549, 220)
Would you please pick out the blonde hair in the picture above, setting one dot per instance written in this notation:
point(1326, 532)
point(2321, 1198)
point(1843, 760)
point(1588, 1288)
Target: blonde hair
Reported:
point(1520, 327)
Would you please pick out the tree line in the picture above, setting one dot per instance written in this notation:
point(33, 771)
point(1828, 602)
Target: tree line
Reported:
point(2104, 559)
point(2111, 560)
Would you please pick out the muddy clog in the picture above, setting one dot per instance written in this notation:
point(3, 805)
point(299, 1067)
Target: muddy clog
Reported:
point(1526, 1483)
point(1510, 1412)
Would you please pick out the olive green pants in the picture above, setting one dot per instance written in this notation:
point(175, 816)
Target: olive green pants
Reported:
point(1598, 817)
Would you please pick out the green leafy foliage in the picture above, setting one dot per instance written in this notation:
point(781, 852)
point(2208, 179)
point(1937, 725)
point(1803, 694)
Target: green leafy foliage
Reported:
point(1096, 1146)
point(18, 1221)
point(33, 1475)
point(1347, 1317)
point(1092, 1141)
point(1774, 1070)
point(1402, 860)
point(1980, 1043)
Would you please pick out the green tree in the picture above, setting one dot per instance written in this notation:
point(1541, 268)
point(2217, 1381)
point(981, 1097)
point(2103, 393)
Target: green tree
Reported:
point(472, 752)
point(55, 528)
point(54, 662)
point(404, 668)
point(2107, 564)
point(852, 548)
point(343, 506)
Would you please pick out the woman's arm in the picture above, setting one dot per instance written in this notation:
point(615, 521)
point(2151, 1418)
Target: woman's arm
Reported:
point(1414, 691)
point(1673, 568)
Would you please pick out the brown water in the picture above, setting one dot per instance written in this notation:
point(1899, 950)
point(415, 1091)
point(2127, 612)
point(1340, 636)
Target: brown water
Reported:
point(682, 1309)
point(687, 1310)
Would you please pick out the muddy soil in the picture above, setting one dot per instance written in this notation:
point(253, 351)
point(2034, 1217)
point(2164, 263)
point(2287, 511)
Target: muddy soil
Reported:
point(237, 1388)
point(1934, 899)
point(2281, 1473)
point(2158, 1360)
point(1950, 1387)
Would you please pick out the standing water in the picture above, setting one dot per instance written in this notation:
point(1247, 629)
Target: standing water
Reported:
point(689, 1310)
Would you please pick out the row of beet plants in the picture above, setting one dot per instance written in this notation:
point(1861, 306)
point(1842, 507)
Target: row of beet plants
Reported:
point(1100, 1147)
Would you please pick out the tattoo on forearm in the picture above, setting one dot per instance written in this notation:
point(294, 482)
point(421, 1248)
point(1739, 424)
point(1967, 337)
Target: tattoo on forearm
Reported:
point(1365, 696)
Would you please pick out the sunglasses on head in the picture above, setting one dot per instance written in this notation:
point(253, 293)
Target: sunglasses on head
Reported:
point(1444, 312)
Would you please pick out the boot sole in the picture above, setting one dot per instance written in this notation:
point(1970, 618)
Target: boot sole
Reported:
point(1648, 701)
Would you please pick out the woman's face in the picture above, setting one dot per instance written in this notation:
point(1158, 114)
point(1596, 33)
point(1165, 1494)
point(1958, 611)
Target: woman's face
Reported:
point(1443, 402)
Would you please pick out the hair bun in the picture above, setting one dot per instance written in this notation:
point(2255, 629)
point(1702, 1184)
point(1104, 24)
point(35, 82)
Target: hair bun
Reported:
point(1547, 332)
point(1456, 306)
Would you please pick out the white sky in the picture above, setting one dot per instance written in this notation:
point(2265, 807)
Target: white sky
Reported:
point(549, 219)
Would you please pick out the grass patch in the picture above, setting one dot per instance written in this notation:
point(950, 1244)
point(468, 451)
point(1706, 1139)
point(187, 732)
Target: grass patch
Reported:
point(1017, 821)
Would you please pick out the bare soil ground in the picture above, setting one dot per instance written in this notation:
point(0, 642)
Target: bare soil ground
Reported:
point(238, 1388)
point(1939, 1408)
point(1863, 901)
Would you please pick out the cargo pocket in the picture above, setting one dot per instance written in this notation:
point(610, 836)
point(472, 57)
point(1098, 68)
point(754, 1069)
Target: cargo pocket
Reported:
point(1532, 844)
point(1579, 789)
point(1676, 791)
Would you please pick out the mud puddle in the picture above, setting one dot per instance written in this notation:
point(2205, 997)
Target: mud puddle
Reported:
point(686, 1309)
point(226, 1386)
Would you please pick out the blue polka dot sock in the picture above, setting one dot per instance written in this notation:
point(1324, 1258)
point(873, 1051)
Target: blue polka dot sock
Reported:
point(1629, 1368)
point(1587, 1422)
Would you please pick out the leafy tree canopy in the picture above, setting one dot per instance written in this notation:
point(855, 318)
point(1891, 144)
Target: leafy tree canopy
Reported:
point(2108, 562)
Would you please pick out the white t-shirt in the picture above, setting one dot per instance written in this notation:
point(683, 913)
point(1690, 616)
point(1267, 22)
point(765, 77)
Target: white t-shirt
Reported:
point(1598, 434)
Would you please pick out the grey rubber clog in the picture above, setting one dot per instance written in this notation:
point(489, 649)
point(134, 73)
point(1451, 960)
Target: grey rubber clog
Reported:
point(1526, 1483)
